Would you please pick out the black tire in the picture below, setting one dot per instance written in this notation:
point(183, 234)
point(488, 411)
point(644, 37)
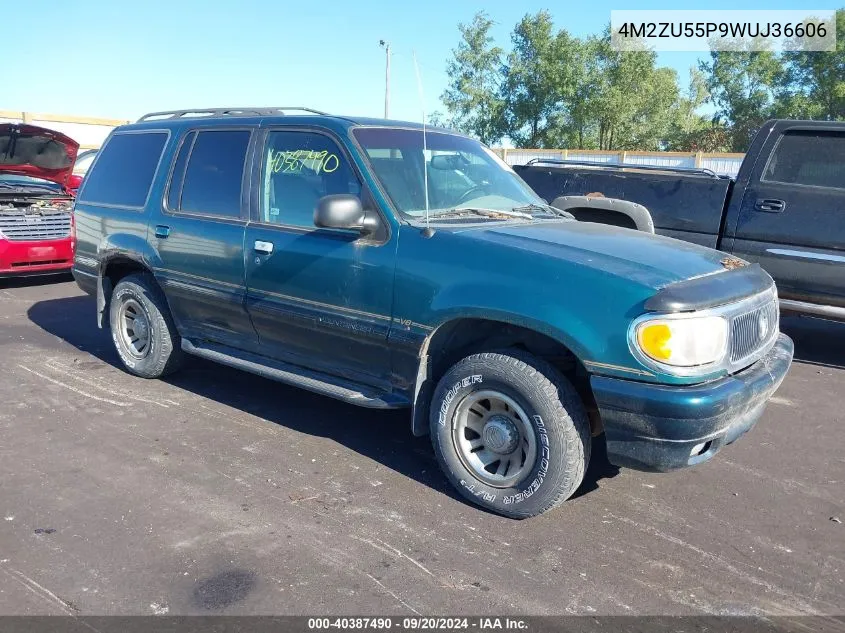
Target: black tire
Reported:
point(556, 415)
point(163, 353)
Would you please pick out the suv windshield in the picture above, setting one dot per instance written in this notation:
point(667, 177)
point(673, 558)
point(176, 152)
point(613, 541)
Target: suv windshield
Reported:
point(462, 173)
point(18, 182)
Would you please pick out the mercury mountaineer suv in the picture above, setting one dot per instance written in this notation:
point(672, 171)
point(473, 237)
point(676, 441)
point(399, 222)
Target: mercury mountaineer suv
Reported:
point(391, 265)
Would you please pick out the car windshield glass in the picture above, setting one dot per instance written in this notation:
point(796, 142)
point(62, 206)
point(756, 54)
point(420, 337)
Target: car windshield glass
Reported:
point(9, 181)
point(461, 172)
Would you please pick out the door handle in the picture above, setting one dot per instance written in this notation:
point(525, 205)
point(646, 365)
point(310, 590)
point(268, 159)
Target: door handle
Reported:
point(770, 205)
point(265, 248)
point(162, 231)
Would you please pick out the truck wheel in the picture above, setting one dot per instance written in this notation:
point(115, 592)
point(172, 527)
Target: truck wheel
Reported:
point(510, 432)
point(142, 329)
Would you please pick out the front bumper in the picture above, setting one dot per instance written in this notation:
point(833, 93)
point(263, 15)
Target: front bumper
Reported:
point(662, 427)
point(35, 258)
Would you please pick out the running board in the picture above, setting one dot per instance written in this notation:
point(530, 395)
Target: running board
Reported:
point(813, 309)
point(317, 382)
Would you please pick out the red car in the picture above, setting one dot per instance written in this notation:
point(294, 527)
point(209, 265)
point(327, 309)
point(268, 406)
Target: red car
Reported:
point(36, 203)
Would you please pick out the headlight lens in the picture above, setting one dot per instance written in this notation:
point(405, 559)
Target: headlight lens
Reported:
point(683, 342)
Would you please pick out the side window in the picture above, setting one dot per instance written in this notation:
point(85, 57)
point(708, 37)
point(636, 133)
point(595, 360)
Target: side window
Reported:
point(125, 170)
point(298, 169)
point(808, 158)
point(214, 173)
point(178, 176)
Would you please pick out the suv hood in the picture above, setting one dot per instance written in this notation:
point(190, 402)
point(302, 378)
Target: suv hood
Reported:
point(651, 260)
point(30, 150)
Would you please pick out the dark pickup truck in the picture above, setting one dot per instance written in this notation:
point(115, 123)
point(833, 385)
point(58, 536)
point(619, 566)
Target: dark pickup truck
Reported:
point(785, 210)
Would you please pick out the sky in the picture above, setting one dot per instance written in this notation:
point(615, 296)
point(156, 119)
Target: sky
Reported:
point(103, 58)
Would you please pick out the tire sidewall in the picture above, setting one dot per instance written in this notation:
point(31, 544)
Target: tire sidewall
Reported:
point(539, 489)
point(147, 365)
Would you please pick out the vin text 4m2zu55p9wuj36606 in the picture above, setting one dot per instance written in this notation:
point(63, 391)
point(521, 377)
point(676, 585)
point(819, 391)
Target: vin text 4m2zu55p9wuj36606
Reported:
point(395, 267)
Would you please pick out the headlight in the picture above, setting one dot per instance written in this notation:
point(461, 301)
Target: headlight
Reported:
point(683, 341)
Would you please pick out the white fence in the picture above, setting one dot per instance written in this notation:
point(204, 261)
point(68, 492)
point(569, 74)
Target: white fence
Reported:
point(725, 164)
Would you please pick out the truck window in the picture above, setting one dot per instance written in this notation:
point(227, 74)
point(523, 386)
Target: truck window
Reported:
point(214, 174)
point(808, 157)
point(174, 189)
point(124, 171)
point(300, 168)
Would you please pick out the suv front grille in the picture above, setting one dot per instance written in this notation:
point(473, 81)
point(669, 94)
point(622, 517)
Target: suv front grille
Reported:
point(29, 227)
point(753, 330)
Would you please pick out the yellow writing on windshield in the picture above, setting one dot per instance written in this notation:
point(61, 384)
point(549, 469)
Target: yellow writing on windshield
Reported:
point(294, 161)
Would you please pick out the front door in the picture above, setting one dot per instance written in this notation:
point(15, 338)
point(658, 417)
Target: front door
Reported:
point(792, 219)
point(319, 298)
point(199, 237)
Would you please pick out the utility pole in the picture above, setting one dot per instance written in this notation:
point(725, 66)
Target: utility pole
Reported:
point(386, 46)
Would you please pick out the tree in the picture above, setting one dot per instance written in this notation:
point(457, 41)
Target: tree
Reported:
point(631, 100)
point(539, 79)
point(690, 131)
point(813, 83)
point(742, 86)
point(472, 96)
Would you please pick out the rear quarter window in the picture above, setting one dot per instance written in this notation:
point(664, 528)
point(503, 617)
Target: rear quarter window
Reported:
point(124, 170)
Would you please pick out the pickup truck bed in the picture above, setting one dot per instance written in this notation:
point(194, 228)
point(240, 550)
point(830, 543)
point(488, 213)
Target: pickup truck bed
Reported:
point(785, 210)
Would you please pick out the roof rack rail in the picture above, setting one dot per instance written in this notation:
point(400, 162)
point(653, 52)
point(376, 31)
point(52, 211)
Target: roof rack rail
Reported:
point(586, 163)
point(211, 112)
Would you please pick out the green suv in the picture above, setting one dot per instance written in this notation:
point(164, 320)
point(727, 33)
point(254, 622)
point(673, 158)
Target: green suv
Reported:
point(391, 265)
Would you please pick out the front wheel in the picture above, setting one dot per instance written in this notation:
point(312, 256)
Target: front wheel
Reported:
point(510, 432)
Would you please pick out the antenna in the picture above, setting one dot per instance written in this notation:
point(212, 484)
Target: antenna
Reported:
point(425, 147)
point(386, 46)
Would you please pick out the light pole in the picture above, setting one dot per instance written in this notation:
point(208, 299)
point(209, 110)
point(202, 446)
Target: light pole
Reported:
point(386, 46)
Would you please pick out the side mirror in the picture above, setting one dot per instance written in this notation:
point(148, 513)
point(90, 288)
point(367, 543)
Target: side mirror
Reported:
point(342, 211)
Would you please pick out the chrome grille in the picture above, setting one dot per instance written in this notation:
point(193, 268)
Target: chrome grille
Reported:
point(32, 227)
point(753, 330)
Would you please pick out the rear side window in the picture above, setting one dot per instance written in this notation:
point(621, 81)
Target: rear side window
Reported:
point(124, 171)
point(808, 158)
point(178, 176)
point(214, 173)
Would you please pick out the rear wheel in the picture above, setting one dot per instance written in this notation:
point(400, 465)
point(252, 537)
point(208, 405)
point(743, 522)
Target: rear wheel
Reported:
point(510, 432)
point(142, 328)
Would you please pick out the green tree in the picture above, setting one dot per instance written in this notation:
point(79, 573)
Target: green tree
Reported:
point(539, 80)
point(632, 100)
point(813, 83)
point(690, 131)
point(742, 86)
point(472, 97)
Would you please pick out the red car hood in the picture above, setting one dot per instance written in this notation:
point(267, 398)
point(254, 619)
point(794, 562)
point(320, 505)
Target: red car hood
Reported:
point(35, 151)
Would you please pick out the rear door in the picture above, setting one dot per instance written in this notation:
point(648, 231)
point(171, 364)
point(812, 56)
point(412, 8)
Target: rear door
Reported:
point(199, 232)
point(792, 216)
point(319, 298)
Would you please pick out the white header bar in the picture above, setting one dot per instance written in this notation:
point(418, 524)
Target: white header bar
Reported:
point(710, 30)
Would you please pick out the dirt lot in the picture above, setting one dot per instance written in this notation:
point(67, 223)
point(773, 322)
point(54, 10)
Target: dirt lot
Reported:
point(220, 492)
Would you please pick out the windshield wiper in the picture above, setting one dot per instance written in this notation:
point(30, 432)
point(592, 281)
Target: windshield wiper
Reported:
point(545, 207)
point(489, 213)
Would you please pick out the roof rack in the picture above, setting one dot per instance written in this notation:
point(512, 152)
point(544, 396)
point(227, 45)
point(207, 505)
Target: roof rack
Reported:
point(586, 163)
point(212, 112)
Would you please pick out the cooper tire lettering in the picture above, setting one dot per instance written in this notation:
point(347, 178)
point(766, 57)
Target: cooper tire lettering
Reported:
point(450, 395)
